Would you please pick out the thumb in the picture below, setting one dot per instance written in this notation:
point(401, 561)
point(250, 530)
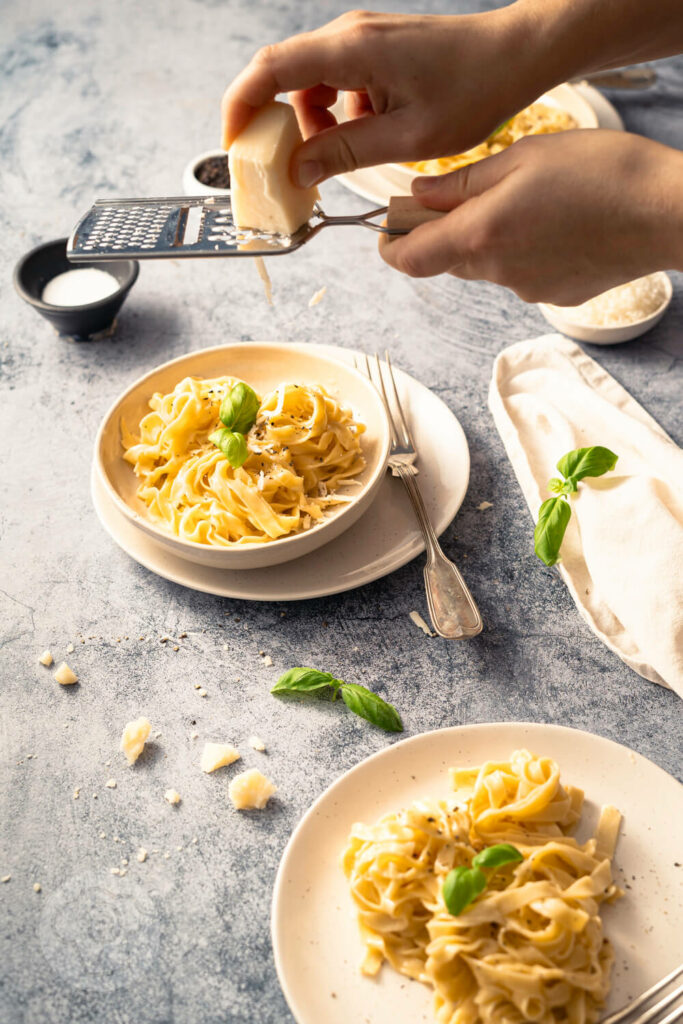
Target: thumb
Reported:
point(446, 191)
point(362, 142)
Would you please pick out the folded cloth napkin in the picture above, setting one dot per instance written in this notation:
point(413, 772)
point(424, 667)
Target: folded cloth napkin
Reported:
point(622, 554)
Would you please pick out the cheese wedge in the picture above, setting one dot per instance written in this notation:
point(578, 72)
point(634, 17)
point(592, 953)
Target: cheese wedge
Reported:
point(262, 194)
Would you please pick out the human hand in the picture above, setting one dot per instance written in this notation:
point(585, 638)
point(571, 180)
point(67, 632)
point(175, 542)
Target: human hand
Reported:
point(556, 218)
point(415, 87)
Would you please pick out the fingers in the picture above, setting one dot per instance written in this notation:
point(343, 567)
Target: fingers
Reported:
point(311, 106)
point(446, 191)
point(433, 248)
point(299, 63)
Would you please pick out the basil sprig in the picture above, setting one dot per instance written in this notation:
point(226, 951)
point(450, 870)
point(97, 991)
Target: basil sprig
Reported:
point(462, 885)
point(555, 513)
point(357, 698)
point(238, 412)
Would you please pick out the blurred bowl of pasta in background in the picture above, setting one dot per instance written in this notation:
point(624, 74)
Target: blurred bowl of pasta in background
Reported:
point(561, 109)
point(316, 455)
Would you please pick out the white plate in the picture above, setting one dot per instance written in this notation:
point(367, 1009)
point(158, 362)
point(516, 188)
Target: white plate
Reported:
point(383, 540)
point(315, 937)
point(378, 184)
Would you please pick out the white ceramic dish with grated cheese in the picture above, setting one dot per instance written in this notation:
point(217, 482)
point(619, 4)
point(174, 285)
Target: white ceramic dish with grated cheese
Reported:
point(570, 321)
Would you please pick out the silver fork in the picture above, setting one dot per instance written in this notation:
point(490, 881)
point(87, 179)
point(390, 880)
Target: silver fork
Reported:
point(655, 1012)
point(451, 606)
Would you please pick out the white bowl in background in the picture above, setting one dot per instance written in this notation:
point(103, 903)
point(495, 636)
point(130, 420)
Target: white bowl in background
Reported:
point(565, 97)
point(560, 317)
point(263, 366)
point(192, 186)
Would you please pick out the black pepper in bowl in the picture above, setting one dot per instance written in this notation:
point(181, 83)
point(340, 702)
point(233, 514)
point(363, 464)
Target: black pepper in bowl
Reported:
point(213, 171)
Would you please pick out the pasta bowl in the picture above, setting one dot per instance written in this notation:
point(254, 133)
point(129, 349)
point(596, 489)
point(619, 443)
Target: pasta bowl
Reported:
point(263, 366)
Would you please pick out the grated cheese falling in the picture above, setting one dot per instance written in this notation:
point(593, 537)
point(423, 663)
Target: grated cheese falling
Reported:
point(265, 277)
point(622, 305)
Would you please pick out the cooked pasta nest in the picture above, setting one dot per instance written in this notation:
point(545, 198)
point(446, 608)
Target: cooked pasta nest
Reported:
point(303, 447)
point(538, 119)
point(531, 946)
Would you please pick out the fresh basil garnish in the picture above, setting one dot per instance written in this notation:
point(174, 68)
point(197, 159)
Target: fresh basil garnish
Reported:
point(555, 513)
point(239, 408)
point(359, 699)
point(233, 446)
point(462, 885)
point(496, 856)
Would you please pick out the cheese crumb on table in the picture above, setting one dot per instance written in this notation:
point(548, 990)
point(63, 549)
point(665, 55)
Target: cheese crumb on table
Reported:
point(421, 624)
point(172, 797)
point(46, 659)
point(267, 661)
point(263, 195)
point(256, 743)
point(110, 783)
point(133, 739)
point(37, 887)
point(194, 735)
point(70, 648)
point(216, 755)
point(5, 878)
point(77, 792)
point(142, 854)
point(201, 693)
point(250, 790)
point(65, 676)
point(484, 505)
point(317, 297)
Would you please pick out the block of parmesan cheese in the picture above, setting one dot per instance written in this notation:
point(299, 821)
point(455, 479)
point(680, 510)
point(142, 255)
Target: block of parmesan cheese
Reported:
point(262, 194)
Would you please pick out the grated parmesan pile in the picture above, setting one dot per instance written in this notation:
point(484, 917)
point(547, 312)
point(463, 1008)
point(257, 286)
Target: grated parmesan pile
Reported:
point(622, 305)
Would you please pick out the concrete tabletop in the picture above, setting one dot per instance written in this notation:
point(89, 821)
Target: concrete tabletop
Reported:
point(111, 100)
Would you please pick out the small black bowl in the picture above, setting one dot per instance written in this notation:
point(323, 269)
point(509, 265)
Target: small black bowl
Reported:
point(41, 264)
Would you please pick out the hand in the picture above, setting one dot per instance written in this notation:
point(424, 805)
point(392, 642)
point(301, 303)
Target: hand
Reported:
point(415, 87)
point(556, 218)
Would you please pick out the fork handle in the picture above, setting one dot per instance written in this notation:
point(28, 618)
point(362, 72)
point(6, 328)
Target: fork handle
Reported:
point(452, 609)
point(405, 213)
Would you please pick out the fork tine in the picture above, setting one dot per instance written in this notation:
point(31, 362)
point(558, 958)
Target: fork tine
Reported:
point(627, 1011)
point(407, 436)
point(385, 399)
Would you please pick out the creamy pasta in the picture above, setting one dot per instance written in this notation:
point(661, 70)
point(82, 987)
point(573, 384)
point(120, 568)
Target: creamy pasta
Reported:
point(302, 448)
point(538, 119)
point(531, 946)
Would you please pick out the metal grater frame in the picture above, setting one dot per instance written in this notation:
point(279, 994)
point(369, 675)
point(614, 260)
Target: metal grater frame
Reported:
point(185, 226)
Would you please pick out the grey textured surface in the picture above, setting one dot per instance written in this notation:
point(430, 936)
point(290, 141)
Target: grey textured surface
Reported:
point(113, 99)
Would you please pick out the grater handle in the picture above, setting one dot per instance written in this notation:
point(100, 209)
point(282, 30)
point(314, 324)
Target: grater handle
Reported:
point(405, 213)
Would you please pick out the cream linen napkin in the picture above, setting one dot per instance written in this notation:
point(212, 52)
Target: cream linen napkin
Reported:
point(622, 555)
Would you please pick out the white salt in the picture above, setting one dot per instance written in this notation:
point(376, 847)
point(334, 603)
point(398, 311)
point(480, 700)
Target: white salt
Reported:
point(78, 287)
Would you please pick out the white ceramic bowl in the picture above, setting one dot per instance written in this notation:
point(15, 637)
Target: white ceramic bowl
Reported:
point(263, 366)
point(192, 186)
point(560, 317)
point(565, 96)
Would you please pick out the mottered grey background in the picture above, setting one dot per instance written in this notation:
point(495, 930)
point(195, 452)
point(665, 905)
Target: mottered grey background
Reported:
point(99, 100)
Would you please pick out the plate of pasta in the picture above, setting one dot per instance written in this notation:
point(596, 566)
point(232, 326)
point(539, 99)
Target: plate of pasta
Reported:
point(245, 455)
point(483, 874)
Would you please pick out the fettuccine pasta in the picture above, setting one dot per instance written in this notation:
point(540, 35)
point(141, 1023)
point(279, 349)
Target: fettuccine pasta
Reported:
point(302, 448)
point(538, 119)
point(531, 946)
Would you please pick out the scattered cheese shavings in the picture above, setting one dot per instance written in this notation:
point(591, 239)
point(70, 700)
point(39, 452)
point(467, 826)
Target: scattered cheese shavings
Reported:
point(77, 792)
point(250, 790)
point(65, 676)
point(484, 505)
point(172, 797)
point(256, 743)
point(265, 277)
point(70, 648)
point(142, 854)
point(317, 297)
point(201, 693)
point(46, 659)
point(267, 661)
point(216, 755)
point(5, 878)
point(133, 738)
point(110, 783)
point(37, 887)
point(421, 624)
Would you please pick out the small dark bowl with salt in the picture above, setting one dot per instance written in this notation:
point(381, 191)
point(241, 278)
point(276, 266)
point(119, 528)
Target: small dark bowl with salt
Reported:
point(84, 321)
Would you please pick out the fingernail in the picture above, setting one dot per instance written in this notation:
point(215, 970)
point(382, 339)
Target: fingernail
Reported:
point(425, 184)
point(310, 172)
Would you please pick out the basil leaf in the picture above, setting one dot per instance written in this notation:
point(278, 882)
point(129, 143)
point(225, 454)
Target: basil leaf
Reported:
point(553, 517)
point(461, 887)
point(584, 462)
point(370, 706)
point(499, 129)
point(239, 408)
point(303, 680)
point(233, 446)
point(496, 856)
point(556, 485)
